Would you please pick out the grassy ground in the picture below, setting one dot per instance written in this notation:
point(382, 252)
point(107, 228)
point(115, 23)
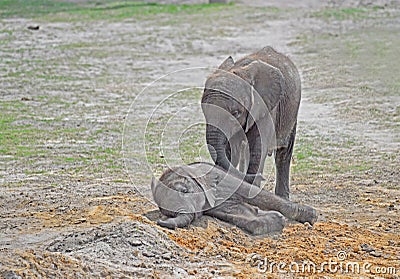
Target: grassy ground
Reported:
point(97, 10)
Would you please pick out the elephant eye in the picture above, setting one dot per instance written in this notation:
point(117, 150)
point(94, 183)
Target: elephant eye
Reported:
point(180, 187)
point(236, 113)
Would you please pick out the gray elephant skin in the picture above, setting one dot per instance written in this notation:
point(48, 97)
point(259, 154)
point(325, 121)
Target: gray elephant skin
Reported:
point(253, 101)
point(185, 193)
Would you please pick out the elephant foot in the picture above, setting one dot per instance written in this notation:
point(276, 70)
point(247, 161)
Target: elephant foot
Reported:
point(305, 214)
point(270, 222)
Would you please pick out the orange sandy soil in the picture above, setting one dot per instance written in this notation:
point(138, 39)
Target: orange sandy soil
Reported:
point(298, 244)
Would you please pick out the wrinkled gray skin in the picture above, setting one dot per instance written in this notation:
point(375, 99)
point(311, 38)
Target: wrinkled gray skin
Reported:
point(185, 193)
point(254, 100)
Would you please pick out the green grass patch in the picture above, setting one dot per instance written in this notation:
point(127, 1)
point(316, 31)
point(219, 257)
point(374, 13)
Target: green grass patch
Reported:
point(16, 140)
point(191, 144)
point(100, 9)
point(191, 94)
point(305, 156)
point(33, 8)
point(319, 155)
point(71, 159)
point(34, 74)
point(342, 14)
point(21, 138)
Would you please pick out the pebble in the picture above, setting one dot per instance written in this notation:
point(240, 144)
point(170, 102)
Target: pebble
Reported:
point(135, 242)
point(80, 220)
point(167, 256)
point(365, 247)
point(33, 27)
point(376, 253)
point(148, 254)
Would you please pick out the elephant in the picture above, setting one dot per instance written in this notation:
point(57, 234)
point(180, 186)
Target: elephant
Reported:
point(255, 101)
point(185, 193)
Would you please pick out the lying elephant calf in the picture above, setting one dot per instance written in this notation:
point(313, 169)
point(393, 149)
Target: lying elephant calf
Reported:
point(187, 192)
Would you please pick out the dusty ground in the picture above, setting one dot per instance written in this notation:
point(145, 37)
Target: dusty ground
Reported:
point(69, 208)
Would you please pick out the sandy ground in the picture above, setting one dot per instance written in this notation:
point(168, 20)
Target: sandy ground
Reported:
point(70, 201)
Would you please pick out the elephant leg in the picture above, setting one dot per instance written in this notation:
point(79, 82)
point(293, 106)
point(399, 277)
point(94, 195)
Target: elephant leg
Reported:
point(283, 157)
point(266, 200)
point(249, 219)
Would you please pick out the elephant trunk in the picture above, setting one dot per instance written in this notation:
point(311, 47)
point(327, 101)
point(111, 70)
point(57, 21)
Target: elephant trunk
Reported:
point(217, 142)
point(180, 221)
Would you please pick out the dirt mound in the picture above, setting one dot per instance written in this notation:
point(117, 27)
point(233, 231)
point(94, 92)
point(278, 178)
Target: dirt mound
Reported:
point(129, 248)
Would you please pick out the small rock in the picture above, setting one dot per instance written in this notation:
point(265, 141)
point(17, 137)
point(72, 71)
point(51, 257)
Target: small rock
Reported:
point(167, 256)
point(135, 242)
point(33, 27)
point(365, 247)
point(391, 207)
point(148, 254)
point(391, 243)
point(80, 220)
point(376, 253)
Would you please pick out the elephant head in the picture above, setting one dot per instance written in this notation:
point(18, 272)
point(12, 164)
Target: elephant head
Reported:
point(182, 195)
point(236, 98)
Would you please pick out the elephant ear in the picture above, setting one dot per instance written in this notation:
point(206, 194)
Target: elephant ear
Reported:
point(268, 87)
point(153, 187)
point(202, 178)
point(158, 189)
point(227, 64)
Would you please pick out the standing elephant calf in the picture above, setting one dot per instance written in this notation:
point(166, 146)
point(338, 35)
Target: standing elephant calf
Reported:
point(255, 101)
point(187, 192)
